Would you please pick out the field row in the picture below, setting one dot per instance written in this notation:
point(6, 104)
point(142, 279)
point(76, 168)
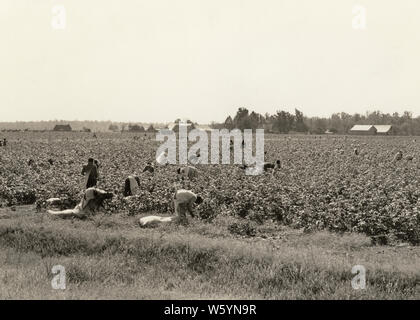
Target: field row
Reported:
point(323, 184)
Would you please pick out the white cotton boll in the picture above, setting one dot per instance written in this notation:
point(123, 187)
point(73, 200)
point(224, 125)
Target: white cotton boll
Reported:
point(254, 171)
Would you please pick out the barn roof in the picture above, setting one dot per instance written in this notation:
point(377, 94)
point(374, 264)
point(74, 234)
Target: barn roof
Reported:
point(362, 127)
point(383, 128)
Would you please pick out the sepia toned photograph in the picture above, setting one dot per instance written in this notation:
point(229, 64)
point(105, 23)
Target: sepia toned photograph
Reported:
point(229, 152)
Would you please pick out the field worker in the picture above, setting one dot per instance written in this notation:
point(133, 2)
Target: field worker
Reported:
point(195, 158)
point(268, 165)
point(96, 162)
point(398, 156)
point(183, 202)
point(356, 151)
point(149, 168)
point(188, 172)
point(131, 186)
point(91, 173)
point(93, 198)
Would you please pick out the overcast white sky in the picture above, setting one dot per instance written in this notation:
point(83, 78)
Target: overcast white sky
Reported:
point(158, 60)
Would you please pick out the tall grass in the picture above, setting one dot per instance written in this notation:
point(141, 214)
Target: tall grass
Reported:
point(203, 267)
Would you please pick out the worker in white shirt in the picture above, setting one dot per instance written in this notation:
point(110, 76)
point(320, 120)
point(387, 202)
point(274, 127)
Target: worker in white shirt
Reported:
point(183, 202)
point(188, 172)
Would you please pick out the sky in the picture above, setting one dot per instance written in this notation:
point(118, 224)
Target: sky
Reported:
point(159, 60)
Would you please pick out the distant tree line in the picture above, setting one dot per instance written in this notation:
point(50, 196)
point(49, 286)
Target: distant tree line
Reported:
point(86, 126)
point(340, 123)
point(280, 122)
point(403, 124)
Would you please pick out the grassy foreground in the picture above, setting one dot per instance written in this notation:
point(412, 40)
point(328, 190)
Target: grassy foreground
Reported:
point(112, 257)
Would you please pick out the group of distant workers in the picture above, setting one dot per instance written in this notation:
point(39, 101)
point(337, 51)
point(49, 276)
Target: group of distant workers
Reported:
point(183, 199)
point(397, 157)
point(3, 142)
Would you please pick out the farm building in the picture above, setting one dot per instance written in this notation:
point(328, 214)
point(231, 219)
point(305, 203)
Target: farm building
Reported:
point(62, 127)
point(371, 129)
point(384, 130)
point(362, 129)
point(135, 128)
point(158, 127)
point(203, 127)
point(268, 127)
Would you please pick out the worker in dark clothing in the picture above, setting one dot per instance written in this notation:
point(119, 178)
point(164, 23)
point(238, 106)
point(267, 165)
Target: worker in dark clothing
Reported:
point(398, 156)
point(91, 173)
point(276, 165)
point(149, 168)
point(131, 185)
